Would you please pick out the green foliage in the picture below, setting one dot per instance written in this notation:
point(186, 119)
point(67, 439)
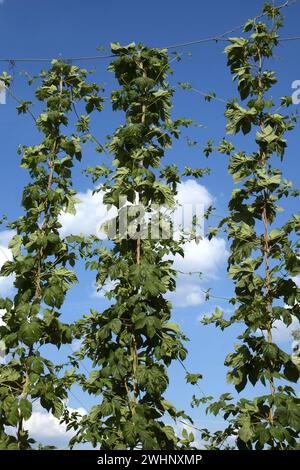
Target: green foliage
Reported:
point(132, 342)
point(263, 256)
point(41, 258)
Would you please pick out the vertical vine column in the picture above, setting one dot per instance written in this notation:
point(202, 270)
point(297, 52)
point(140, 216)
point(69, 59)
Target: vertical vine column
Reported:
point(131, 343)
point(264, 256)
point(41, 258)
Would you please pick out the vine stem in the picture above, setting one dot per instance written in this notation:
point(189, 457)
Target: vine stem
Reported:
point(141, 164)
point(134, 348)
point(267, 292)
point(38, 275)
point(266, 251)
point(266, 245)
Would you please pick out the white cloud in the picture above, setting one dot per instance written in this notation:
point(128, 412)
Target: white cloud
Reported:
point(91, 213)
point(6, 236)
point(43, 426)
point(296, 279)
point(6, 283)
point(192, 199)
point(187, 294)
point(282, 333)
point(206, 257)
point(2, 343)
point(191, 192)
point(47, 429)
point(185, 425)
point(2, 312)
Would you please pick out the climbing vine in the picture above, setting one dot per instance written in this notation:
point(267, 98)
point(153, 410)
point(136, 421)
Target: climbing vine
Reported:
point(132, 342)
point(42, 261)
point(264, 256)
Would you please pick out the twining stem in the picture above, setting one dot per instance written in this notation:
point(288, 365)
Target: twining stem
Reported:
point(141, 164)
point(45, 223)
point(266, 249)
point(38, 276)
point(135, 360)
point(266, 242)
point(134, 348)
point(25, 392)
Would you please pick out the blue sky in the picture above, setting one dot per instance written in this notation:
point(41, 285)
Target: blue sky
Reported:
point(68, 28)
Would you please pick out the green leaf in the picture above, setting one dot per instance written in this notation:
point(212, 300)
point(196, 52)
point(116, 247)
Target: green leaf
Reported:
point(245, 431)
point(25, 408)
point(193, 378)
point(15, 245)
point(30, 332)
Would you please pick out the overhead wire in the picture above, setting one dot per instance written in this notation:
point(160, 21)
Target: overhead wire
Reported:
point(215, 38)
